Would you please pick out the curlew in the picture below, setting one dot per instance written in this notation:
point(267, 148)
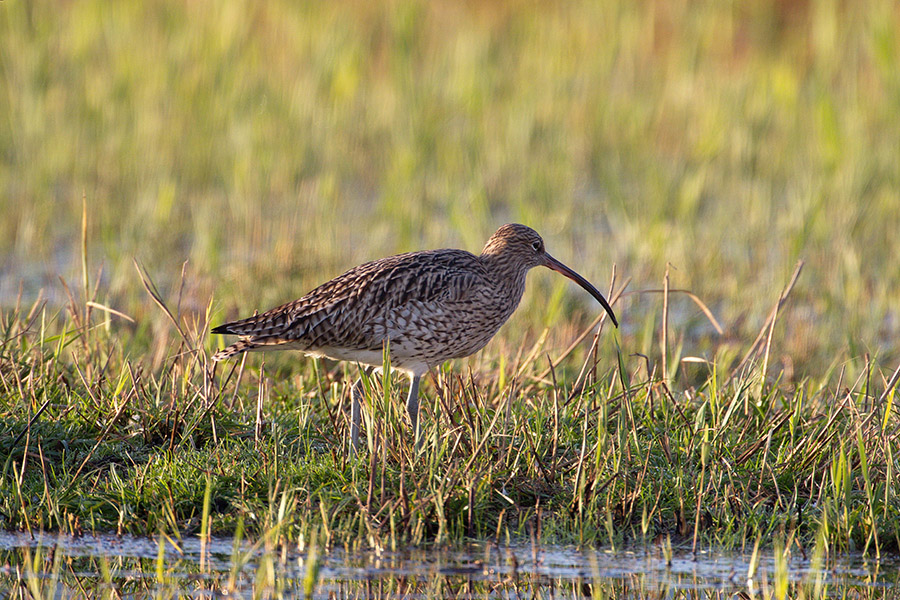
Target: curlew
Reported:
point(428, 306)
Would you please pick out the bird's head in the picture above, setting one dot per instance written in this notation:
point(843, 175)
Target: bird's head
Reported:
point(519, 248)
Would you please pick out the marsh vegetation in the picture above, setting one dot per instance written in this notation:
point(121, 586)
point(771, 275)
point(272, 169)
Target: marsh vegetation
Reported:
point(167, 166)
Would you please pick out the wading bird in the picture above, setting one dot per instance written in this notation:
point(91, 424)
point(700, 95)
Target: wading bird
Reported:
point(428, 306)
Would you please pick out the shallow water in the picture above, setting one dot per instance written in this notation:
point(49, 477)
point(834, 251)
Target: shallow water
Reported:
point(68, 567)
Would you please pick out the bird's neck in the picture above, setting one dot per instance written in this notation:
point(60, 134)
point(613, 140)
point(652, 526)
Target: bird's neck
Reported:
point(508, 278)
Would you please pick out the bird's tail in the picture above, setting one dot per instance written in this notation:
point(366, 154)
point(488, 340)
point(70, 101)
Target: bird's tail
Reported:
point(254, 344)
point(257, 333)
point(236, 348)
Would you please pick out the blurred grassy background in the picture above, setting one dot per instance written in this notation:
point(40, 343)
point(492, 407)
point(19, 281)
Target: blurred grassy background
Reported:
point(273, 145)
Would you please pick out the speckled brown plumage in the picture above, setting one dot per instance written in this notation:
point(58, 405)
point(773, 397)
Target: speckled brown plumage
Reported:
point(431, 306)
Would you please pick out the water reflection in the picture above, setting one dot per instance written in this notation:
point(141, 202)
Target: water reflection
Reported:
point(67, 567)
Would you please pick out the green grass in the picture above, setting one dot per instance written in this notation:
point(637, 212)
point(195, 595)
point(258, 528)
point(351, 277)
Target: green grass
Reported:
point(609, 456)
point(272, 146)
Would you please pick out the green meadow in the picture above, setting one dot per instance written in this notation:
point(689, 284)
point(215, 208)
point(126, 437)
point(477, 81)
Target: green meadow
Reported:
point(729, 173)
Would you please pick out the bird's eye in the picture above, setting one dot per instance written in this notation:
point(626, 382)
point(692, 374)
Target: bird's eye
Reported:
point(536, 246)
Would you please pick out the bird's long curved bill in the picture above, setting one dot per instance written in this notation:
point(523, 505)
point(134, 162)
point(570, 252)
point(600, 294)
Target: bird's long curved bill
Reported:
point(557, 266)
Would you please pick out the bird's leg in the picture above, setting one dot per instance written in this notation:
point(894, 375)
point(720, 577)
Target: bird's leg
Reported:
point(412, 406)
point(356, 396)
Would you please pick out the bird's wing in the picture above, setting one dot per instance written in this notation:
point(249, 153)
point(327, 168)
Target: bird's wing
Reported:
point(337, 312)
